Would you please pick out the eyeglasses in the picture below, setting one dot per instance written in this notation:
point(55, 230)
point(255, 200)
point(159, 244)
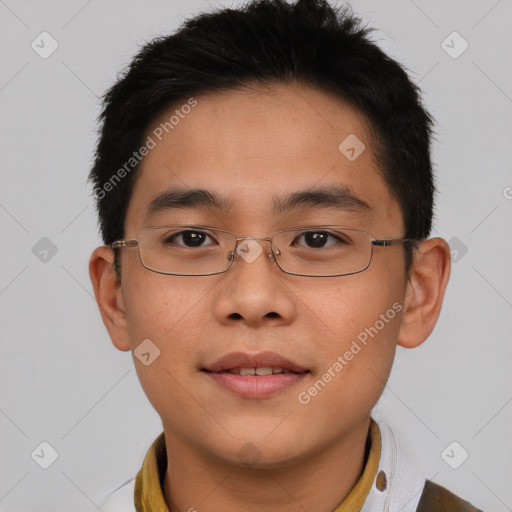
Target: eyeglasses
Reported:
point(319, 251)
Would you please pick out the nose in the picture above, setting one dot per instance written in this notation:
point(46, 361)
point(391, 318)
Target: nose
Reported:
point(253, 290)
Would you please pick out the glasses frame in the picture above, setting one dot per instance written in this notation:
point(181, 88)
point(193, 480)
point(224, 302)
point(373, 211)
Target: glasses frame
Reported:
point(375, 242)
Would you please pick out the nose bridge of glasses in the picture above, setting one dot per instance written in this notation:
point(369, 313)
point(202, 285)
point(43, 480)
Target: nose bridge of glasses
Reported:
point(238, 238)
point(249, 248)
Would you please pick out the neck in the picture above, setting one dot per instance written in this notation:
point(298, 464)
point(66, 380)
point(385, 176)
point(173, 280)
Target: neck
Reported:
point(319, 481)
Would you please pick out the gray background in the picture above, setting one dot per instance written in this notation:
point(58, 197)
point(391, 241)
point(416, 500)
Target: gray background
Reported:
point(61, 380)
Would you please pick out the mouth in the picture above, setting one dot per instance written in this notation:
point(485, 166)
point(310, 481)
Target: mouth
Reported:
point(257, 375)
point(257, 371)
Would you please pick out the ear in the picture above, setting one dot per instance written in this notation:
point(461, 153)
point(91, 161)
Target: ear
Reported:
point(109, 296)
point(428, 278)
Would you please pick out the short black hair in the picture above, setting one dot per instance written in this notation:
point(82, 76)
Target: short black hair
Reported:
point(267, 42)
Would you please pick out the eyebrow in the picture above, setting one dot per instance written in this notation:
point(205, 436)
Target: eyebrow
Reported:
point(191, 198)
point(333, 196)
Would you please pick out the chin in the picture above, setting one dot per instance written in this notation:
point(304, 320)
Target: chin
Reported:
point(257, 453)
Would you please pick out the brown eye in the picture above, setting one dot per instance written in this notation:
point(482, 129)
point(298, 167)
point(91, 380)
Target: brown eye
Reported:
point(318, 239)
point(188, 238)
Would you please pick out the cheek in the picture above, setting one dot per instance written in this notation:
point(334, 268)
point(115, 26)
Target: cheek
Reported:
point(166, 313)
point(363, 305)
point(357, 326)
point(354, 372)
point(159, 306)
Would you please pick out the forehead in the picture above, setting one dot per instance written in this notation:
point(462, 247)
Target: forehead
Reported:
point(254, 148)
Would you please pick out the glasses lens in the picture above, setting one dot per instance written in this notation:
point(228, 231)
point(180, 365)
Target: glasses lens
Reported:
point(185, 250)
point(323, 251)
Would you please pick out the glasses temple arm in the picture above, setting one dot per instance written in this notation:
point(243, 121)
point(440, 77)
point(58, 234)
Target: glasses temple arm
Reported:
point(393, 241)
point(124, 243)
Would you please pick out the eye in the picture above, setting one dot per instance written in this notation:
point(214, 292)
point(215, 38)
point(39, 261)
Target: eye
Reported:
point(319, 239)
point(189, 238)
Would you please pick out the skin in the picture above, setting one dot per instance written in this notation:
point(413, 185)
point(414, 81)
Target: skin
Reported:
point(309, 456)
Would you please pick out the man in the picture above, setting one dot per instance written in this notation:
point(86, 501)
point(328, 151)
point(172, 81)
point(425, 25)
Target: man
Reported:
point(265, 194)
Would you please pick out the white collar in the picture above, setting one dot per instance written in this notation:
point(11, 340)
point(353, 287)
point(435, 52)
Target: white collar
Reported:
point(399, 482)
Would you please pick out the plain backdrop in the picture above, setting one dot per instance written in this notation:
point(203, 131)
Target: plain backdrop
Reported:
point(61, 380)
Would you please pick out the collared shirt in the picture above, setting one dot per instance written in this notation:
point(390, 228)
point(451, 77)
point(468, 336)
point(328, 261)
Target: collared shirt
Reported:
point(390, 481)
point(148, 483)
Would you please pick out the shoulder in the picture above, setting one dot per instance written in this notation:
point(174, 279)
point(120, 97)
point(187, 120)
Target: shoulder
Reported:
point(438, 499)
point(121, 500)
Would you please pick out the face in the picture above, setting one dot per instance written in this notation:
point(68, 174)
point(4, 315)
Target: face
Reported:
point(251, 147)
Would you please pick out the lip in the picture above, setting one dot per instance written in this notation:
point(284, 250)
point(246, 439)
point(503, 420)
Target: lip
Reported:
point(261, 359)
point(254, 386)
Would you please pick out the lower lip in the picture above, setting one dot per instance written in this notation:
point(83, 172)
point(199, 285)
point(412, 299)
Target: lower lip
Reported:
point(256, 386)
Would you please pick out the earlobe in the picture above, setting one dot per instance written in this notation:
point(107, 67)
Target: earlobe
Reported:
point(428, 278)
point(109, 296)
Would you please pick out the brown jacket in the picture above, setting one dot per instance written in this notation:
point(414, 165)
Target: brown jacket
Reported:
point(438, 499)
